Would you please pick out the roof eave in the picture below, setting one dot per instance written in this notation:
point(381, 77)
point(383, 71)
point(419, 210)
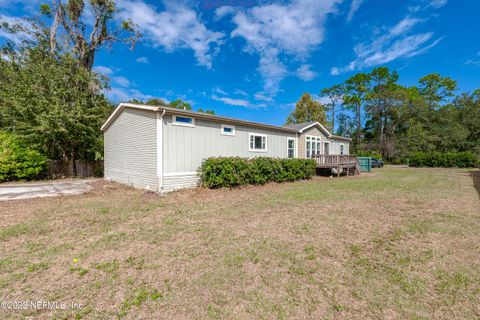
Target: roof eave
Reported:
point(341, 138)
point(325, 130)
point(120, 108)
point(168, 110)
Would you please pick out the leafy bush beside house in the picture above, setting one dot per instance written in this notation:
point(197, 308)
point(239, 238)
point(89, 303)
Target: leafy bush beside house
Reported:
point(234, 171)
point(444, 159)
point(18, 162)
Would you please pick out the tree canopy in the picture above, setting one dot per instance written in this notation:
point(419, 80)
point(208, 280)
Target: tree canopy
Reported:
point(53, 103)
point(387, 118)
point(69, 27)
point(307, 109)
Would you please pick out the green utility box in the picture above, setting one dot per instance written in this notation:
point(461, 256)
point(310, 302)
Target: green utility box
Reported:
point(365, 164)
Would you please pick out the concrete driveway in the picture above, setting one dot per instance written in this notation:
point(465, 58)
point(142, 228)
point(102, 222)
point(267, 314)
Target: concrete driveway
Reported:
point(39, 190)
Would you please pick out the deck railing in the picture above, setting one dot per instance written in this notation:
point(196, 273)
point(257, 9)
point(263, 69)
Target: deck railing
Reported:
point(334, 160)
point(337, 161)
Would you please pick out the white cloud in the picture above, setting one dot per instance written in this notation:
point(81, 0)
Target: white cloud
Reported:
point(241, 92)
point(262, 96)
point(437, 4)
point(396, 43)
point(117, 94)
point(103, 70)
point(178, 26)
point(354, 6)
point(219, 90)
point(9, 36)
point(121, 81)
point(19, 36)
point(274, 30)
point(304, 72)
point(142, 60)
point(334, 71)
point(9, 3)
point(233, 102)
point(225, 97)
point(472, 62)
point(414, 9)
point(122, 89)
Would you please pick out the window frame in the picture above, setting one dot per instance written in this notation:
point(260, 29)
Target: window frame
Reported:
point(183, 124)
point(342, 149)
point(253, 134)
point(294, 147)
point(314, 140)
point(226, 133)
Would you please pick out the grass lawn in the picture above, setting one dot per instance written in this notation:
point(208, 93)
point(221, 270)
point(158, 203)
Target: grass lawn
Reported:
point(399, 243)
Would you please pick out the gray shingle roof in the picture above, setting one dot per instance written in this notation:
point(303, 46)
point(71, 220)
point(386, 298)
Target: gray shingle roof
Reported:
point(299, 126)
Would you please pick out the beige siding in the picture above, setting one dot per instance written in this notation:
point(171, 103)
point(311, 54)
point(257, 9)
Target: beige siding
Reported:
point(334, 147)
point(186, 147)
point(314, 131)
point(131, 149)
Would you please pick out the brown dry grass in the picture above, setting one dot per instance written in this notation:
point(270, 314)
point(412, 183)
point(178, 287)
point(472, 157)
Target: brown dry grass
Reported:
point(396, 244)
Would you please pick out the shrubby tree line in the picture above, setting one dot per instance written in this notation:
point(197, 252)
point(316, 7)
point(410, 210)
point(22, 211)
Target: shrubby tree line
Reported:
point(397, 122)
point(52, 103)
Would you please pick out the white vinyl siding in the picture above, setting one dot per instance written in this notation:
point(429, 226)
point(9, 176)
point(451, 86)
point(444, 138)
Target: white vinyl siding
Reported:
point(131, 149)
point(180, 181)
point(185, 148)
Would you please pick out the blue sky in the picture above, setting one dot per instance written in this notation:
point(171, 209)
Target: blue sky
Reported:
point(253, 59)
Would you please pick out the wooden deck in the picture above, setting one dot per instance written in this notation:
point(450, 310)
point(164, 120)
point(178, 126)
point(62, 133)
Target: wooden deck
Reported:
point(338, 162)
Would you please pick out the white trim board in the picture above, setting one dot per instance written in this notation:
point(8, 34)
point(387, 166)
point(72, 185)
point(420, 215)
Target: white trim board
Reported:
point(317, 124)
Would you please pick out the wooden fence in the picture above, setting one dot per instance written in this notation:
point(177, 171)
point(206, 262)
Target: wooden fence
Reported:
point(83, 168)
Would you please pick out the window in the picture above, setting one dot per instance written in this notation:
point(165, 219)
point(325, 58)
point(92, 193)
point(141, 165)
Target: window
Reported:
point(290, 148)
point(258, 142)
point(312, 147)
point(183, 121)
point(342, 149)
point(228, 130)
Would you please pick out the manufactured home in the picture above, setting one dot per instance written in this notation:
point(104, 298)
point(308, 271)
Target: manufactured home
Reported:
point(160, 148)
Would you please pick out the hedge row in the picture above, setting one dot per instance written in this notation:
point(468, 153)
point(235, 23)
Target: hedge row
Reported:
point(234, 171)
point(17, 161)
point(446, 159)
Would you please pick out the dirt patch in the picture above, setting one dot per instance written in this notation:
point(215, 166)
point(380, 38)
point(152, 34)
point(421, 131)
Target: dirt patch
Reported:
point(397, 243)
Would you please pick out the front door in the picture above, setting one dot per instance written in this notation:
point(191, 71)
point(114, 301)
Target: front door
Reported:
point(326, 150)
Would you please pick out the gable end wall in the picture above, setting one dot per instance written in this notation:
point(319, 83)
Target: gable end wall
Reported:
point(131, 149)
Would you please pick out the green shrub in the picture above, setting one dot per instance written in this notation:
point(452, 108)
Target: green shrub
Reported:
point(234, 171)
point(18, 162)
point(443, 159)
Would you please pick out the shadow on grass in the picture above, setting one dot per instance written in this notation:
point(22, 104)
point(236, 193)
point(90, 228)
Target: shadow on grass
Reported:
point(476, 180)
